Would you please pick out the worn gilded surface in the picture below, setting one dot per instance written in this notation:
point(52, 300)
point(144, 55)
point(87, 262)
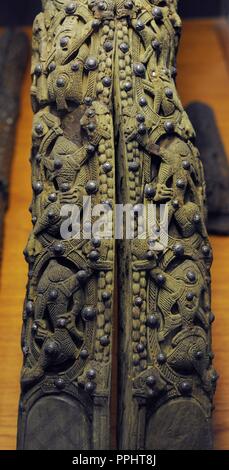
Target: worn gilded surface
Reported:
point(105, 104)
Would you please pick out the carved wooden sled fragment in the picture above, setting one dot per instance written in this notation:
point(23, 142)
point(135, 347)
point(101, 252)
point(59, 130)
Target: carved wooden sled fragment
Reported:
point(105, 104)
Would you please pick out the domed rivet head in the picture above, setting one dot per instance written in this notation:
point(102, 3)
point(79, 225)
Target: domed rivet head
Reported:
point(52, 197)
point(173, 72)
point(52, 67)
point(64, 41)
point(107, 167)
point(199, 355)
point(108, 46)
point(124, 47)
point(38, 70)
point(169, 93)
point(151, 381)
point(108, 204)
point(95, 24)
point(127, 86)
point(140, 348)
point(25, 350)
point(53, 294)
point(102, 6)
point(91, 374)
point(57, 164)
point(60, 383)
point(156, 45)
point(64, 187)
point(75, 67)
point(140, 117)
point(60, 83)
point(34, 328)
point(61, 322)
point(186, 165)
point(91, 127)
point(150, 255)
point(106, 295)
point(161, 358)
point(169, 127)
point(88, 100)
point(104, 341)
point(190, 296)
point(211, 317)
point(175, 204)
point(191, 276)
point(89, 313)
point(96, 242)
point(180, 183)
point(142, 102)
point(160, 279)
point(138, 301)
point(91, 187)
point(94, 256)
point(178, 249)
point(29, 308)
point(90, 112)
point(84, 354)
point(214, 377)
point(185, 388)
point(90, 149)
point(58, 249)
point(139, 69)
point(149, 192)
point(51, 348)
point(90, 387)
point(38, 158)
point(128, 5)
point(133, 166)
point(196, 219)
point(70, 8)
point(136, 362)
point(106, 81)
point(206, 250)
point(38, 187)
point(91, 64)
point(152, 321)
point(39, 129)
point(157, 14)
point(82, 275)
point(139, 26)
point(142, 129)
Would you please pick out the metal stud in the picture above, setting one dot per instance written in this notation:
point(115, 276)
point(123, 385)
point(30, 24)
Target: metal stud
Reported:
point(89, 313)
point(58, 248)
point(37, 187)
point(91, 64)
point(91, 187)
point(60, 383)
point(104, 340)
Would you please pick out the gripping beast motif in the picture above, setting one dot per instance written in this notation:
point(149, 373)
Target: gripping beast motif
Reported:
point(104, 95)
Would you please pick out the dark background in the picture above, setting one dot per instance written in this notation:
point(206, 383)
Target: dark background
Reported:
point(22, 12)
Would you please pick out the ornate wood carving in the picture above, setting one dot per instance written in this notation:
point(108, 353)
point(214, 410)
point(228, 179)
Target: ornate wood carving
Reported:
point(104, 96)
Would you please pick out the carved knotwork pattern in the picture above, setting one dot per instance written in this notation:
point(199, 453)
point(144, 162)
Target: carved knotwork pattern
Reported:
point(103, 72)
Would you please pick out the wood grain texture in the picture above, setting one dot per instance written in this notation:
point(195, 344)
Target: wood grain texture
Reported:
point(203, 75)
